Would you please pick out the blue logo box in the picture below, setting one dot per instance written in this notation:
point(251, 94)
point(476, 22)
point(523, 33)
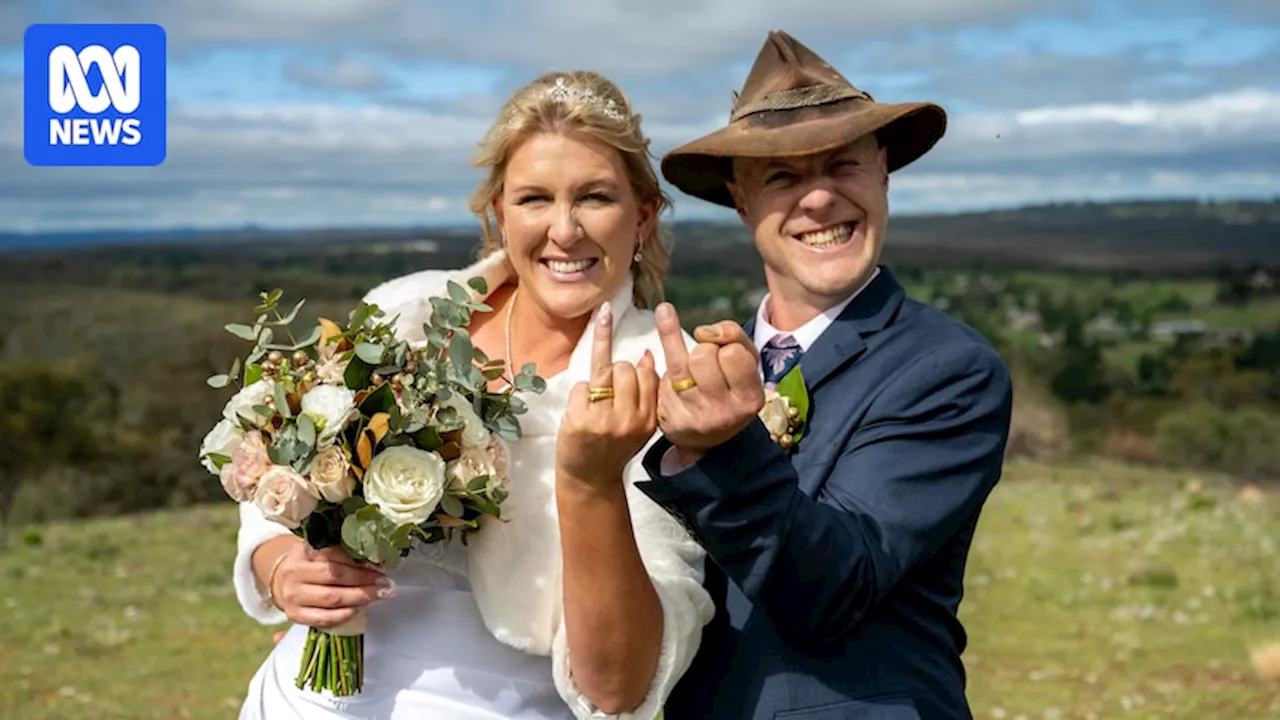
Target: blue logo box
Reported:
point(94, 95)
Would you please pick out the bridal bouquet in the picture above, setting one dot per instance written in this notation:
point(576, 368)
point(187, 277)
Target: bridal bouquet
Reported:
point(352, 437)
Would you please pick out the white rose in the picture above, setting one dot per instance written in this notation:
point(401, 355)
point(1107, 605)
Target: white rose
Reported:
point(774, 413)
point(330, 472)
point(223, 439)
point(241, 404)
point(474, 433)
point(285, 496)
point(330, 407)
point(405, 483)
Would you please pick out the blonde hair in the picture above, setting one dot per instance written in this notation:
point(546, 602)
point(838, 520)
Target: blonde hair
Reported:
point(584, 102)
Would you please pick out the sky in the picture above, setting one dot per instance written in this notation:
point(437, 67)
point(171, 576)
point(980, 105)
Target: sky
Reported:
point(322, 113)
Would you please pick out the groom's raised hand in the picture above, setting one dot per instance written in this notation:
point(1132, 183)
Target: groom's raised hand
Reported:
point(709, 393)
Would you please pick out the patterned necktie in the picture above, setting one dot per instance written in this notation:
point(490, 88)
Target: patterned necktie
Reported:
point(778, 357)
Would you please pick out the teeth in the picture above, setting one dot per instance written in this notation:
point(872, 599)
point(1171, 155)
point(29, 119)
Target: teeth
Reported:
point(830, 236)
point(569, 267)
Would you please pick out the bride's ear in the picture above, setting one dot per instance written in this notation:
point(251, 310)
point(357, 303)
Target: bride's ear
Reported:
point(496, 207)
point(648, 218)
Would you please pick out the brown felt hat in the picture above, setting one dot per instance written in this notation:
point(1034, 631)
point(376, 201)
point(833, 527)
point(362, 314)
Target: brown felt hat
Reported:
point(794, 103)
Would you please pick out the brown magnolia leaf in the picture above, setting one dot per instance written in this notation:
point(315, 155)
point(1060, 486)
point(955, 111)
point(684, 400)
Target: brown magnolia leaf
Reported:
point(450, 450)
point(379, 424)
point(364, 450)
point(328, 330)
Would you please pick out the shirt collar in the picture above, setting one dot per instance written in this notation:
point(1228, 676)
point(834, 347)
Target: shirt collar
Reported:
point(808, 333)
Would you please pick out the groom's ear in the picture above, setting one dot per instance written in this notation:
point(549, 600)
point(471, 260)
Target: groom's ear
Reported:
point(739, 199)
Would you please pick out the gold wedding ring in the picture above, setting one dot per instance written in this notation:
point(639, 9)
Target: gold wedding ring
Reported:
point(683, 384)
point(597, 394)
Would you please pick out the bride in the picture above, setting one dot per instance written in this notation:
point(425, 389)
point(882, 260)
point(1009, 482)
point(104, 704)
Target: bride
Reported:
point(588, 601)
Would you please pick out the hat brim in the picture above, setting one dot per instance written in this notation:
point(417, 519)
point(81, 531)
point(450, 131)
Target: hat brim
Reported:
point(702, 168)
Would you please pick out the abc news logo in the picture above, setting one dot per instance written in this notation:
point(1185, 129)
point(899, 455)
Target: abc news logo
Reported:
point(69, 89)
point(94, 95)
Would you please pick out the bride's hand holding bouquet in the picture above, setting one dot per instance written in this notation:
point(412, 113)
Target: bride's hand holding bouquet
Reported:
point(361, 444)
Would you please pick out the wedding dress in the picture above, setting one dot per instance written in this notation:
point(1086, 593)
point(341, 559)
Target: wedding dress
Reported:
point(427, 655)
point(476, 632)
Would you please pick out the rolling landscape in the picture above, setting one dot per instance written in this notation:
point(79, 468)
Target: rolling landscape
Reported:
point(1125, 566)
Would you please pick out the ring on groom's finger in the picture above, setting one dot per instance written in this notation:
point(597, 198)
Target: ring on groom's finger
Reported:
point(683, 384)
point(597, 394)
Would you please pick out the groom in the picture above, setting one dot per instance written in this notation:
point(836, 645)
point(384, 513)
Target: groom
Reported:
point(839, 563)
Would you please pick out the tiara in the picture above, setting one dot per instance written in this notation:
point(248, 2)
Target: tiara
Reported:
point(565, 93)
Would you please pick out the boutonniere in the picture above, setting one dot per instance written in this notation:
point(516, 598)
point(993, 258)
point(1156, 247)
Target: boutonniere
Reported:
point(786, 408)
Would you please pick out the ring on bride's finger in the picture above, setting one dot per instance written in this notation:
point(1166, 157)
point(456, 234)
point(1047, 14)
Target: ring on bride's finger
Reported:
point(596, 394)
point(683, 384)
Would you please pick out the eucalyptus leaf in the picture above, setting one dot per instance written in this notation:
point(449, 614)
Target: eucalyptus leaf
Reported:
point(218, 381)
point(452, 505)
point(282, 402)
point(281, 453)
point(244, 332)
point(460, 353)
point(457, 293)
point(479, 285)
point(371, 353)
point(306, 431)
point(309, 339)
point(287, 319)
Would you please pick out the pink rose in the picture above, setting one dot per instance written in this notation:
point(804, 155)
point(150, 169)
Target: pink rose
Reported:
point(285, 496)
point(248, 462)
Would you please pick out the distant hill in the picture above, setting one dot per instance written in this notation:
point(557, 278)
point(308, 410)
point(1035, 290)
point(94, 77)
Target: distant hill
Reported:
point(1155, 236)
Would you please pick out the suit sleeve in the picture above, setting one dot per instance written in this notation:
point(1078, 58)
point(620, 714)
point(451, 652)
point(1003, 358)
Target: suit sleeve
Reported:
point(921, 463)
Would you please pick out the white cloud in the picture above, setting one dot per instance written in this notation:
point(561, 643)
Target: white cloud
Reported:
point(326, 164)
point(617, 36)
point(1026, 125)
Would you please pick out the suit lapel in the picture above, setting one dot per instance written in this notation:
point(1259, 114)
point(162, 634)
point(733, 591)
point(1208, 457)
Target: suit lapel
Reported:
point(844, 341)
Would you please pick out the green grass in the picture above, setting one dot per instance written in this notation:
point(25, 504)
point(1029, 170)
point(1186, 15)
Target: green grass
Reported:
point(1101, 591)
point(1094, 591)
point(1261, 315)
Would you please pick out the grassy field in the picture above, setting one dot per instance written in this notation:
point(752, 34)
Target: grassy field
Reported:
point(1096, 591)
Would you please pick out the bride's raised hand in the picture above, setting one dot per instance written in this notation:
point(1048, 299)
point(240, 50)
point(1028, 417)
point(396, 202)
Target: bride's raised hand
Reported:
point(609, 419)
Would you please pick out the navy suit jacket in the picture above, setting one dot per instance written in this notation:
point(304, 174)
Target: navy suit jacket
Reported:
point(838, 569)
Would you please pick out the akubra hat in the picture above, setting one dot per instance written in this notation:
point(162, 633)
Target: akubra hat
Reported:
point(794, 103)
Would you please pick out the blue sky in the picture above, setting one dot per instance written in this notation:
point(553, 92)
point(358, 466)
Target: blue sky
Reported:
point(364, 112)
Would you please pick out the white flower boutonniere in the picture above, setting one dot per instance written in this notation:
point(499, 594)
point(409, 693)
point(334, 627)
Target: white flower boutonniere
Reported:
point(786, 409)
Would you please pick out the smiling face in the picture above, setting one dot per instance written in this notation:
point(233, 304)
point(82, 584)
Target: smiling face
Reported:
point(572, 221)
point(819, 223)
